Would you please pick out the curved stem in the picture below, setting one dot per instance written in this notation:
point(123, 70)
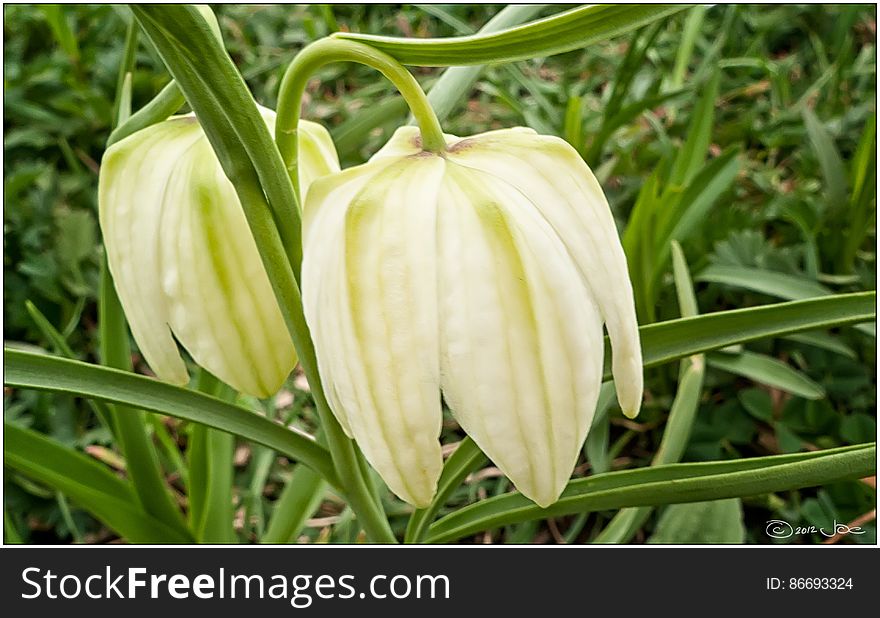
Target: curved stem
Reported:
point(326, 51)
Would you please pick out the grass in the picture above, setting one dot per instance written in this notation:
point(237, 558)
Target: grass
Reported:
point(745, 134)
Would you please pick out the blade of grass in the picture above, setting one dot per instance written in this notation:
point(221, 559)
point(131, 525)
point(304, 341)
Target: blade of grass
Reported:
point(692, 155)
point(767, 370)
point(301, 496)
point(86, 482)
point(58, 22)
point(685, 52)
point(211, 472)
point(466, 458)
point(833, 170)
point(596, 445)
point(772, 283)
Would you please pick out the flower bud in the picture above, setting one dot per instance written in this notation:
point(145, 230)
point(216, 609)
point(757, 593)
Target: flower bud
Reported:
point(183, 260)
point(483, 273)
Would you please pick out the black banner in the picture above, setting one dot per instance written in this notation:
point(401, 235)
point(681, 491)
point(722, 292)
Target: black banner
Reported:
point(400, 580)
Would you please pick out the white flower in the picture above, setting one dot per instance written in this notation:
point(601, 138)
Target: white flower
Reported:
point(183, 260)
point(483, 273)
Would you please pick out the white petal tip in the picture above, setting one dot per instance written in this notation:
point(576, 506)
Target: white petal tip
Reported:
point(631, 412)
point(542, 499)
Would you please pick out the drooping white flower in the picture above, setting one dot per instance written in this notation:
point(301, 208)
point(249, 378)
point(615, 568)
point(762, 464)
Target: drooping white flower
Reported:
point(183, 260)
point(483, 273)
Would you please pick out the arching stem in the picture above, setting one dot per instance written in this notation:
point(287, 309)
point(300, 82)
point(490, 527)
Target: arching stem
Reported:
point(329, 50)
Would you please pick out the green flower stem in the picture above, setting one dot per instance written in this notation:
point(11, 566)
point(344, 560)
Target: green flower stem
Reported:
point(326, 51)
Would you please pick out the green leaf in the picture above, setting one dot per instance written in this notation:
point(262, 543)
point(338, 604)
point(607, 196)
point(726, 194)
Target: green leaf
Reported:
point(596, 446)
point(130, 423)
point(211, 473)
point(770, 371)
point(830, 161)
point(464, 460)
point(573, 29)
point(456, 82)
point(687, 215)
point(674, 339)
point(48, 373)
point(301, 496)
point(692, 155)
point(57, 18)
point(772, 283)
point(717, 521)
point(858, 427)
point(87, 483)
point(824, 341)
point(686, 47)
point(624, 525)
point(758, 403)
point(669, 484)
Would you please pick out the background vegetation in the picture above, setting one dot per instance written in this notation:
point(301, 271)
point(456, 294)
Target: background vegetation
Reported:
point(745, 133)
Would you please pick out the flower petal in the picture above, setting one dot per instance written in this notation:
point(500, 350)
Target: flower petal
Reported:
point(131, 189)
point(521, 339)
point(221, 304)
point(369, 287)
point(554, 177)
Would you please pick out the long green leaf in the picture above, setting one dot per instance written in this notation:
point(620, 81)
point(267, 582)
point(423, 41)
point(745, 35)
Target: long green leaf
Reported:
point(57, 17)
point(142, 460)
point(770, 371)
point(211, 471)
point(87, 483)
point(669, 484)
point(464, 460)
point(668, 341)
point(693, 152)
point(300, 498)
point(48, 373)
point(780, 285)
point(456, 82)
point(833, 170)
point(686, 47)
point(573, 29)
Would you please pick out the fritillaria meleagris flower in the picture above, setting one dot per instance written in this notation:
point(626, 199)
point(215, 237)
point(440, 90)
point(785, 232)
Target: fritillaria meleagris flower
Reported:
point(183, 260)
point(483, 274)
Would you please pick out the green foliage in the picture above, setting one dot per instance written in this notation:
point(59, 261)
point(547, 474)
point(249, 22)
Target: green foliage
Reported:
point(746, 135)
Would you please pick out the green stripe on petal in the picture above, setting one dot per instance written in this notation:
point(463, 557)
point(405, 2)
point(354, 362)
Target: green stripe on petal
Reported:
point(390, 268)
